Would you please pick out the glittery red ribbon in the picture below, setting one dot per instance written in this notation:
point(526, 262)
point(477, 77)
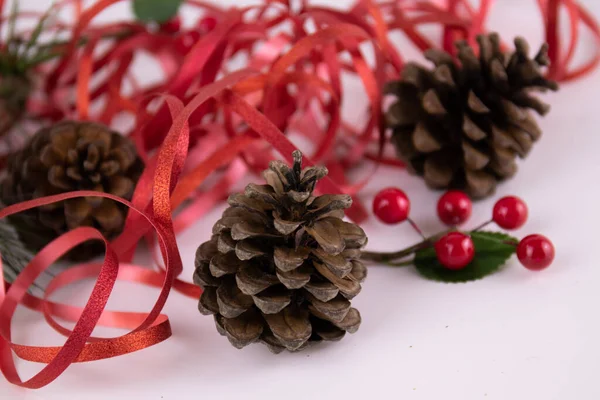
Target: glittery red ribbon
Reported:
point(203, 126)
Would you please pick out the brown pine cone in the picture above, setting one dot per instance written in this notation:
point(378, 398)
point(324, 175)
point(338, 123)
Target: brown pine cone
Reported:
point(65, 157)
point(14, 92)
point(462, 125)
point(282, 265)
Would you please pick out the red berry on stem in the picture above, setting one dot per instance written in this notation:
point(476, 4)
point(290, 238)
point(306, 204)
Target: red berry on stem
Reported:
point(207, 24)
point(510, 212)
point(391, 206)
point(171, 26)
point(454, 207)
point(455, 250)
point(535, 252)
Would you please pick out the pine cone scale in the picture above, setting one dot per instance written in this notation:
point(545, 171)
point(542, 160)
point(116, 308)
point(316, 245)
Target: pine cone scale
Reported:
point(208, 304)
point(288, 259)
point(322, 291)
point(291, 327)
point(249, 249)
point(436, 173)
point(272, 300)
point(334, 310)
point(349, 288)
point(76, 211)
point(243, 330)
point(351, 322)
point(231, 301)
point(294, 279)
point(327, 236)
point(203, 276)
point(473, 158)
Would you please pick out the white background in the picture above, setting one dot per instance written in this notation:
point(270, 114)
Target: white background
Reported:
point(515, 335)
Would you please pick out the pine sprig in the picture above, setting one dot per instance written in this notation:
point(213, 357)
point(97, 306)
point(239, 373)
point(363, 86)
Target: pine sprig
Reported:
point(15, 256)
point(20, 54)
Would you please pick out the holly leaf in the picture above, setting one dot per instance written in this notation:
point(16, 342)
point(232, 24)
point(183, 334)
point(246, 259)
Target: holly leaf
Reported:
point(491, 252)
point(155, 10)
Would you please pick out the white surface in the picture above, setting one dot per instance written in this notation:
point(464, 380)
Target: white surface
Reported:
point(516, 335)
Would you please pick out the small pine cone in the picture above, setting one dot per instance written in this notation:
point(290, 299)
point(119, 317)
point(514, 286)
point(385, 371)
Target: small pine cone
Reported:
point(14, 92)
point(462, 125)
point(282, 265)
point(65, 157)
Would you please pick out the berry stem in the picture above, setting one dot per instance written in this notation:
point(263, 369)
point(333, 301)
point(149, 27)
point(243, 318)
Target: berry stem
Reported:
point(395, 255)
point(507, 242)
point(389, 256)
point(480, 227)
point(400, 263)
point(416, 228)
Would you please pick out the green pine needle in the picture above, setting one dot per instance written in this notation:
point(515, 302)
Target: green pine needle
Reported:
point(19, 54)
point(15, 256)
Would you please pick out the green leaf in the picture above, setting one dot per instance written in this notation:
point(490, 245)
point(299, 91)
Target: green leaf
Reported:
point(491, 252)
point(155, 10)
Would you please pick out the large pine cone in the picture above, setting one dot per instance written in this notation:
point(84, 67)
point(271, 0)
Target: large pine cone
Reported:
point(14, 92)
point(282, 265)
point(65, 157)
point(463, 125)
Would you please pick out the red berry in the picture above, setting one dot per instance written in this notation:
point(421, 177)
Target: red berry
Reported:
point(535, 252)
point(454, 207)
point(455, 250)
point(510, 212)
point(171, 26)
point(184, 42)
point(207, 24)
point(391, 206)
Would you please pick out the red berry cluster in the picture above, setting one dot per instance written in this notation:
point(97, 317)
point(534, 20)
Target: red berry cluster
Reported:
point(455, 249)
point(173, 25)
point(187, 37)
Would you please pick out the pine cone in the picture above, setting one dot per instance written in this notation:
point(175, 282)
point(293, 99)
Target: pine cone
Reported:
point(65, 157)
point(462, 125)
point(282, 265)
point(14, 92)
